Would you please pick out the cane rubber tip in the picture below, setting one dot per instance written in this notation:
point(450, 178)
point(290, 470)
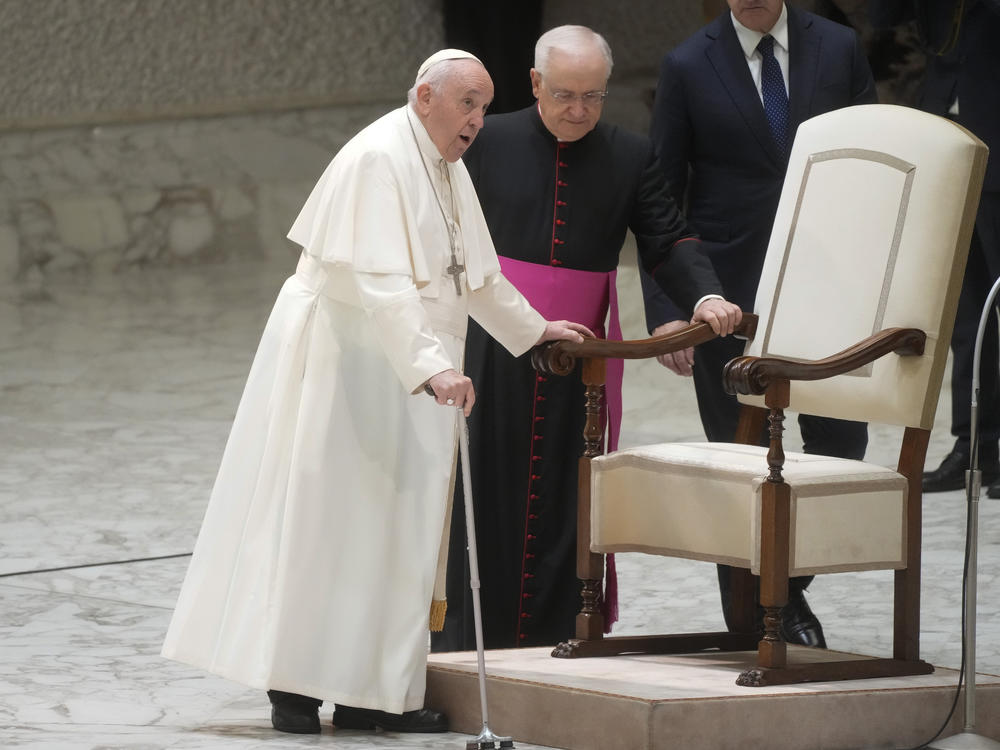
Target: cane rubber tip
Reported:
point(506, 743)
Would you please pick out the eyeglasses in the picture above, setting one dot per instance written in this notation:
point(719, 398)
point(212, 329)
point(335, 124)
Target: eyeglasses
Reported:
point(588, 99)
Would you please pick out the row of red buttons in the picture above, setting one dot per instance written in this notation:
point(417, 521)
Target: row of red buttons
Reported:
point(536, 438)
point(539, 381)
point(560, 183)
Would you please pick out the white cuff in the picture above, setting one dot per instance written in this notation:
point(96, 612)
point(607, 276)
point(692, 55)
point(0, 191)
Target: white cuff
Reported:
point(707, 296)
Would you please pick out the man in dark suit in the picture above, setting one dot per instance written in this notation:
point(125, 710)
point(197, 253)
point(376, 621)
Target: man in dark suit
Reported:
point(723, 125)
point(963, 61)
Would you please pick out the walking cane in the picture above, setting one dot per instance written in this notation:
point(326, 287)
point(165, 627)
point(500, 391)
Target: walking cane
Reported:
point(486, 739)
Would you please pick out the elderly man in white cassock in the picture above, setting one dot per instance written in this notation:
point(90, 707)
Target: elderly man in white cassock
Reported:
point(314, 571)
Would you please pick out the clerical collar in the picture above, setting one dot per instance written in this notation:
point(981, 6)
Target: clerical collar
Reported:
point(749, 39)
point(538, 109)
point(544, 129)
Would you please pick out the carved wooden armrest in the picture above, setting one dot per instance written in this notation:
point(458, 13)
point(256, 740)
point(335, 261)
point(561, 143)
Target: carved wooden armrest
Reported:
point(559, 357)
point(753, 375)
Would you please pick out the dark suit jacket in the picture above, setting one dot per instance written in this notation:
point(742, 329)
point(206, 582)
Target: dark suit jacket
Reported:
point(715, 146)
point(969, 71)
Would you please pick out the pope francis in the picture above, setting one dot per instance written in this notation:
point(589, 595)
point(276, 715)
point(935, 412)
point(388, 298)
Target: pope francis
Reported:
point(314, 571)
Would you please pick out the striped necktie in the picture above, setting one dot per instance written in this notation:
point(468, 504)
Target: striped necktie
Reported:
point(772, 87)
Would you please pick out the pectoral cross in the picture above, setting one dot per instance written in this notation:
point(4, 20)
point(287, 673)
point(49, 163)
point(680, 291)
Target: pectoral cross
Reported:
point(455, 270)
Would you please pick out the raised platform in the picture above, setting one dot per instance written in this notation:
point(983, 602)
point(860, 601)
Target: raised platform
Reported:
point(692, 702)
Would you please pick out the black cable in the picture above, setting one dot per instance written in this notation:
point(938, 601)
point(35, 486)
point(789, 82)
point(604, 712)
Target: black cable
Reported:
point(93, 565)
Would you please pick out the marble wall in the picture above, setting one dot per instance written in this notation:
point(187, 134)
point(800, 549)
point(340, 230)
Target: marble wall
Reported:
point(156, 132)
point(118, 195)
point(138, 133)
point(67, 62)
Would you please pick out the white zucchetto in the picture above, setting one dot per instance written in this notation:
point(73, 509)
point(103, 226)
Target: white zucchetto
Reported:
point(441, 56)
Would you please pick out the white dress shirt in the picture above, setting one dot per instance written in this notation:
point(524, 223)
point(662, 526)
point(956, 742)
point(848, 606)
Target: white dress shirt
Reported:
point(749, 39)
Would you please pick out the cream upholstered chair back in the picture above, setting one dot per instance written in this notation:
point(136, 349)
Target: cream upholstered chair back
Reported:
point(871, 233)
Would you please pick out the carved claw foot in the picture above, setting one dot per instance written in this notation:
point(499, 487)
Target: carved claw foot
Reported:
point(751, 678)
point(566, 649)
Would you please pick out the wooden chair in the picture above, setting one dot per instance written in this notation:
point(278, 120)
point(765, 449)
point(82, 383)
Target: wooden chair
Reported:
point(853, 318)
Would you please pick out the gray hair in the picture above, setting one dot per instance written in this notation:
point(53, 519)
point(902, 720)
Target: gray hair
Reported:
point(437, 76)
point(571, 40)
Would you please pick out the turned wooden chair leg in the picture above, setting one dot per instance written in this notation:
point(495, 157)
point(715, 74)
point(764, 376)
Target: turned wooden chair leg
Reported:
point(775, 529)
point(589, 565)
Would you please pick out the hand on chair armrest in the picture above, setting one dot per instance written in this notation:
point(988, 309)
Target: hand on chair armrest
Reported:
point(679, 362)
point(559, 357)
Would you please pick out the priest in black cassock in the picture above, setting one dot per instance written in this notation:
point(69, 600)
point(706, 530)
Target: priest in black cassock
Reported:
point(559, 190)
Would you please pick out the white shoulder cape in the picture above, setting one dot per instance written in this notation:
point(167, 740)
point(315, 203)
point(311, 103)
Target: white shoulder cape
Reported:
point(374, 210)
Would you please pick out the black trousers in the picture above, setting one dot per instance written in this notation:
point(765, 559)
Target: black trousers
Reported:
point(981, 272)
point(720, 414)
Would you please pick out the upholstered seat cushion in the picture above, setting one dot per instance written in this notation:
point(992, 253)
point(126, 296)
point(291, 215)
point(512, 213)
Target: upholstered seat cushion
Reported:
point(703, 501)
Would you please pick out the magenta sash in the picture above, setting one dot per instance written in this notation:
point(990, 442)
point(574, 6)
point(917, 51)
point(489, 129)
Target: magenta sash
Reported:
point(582, 297)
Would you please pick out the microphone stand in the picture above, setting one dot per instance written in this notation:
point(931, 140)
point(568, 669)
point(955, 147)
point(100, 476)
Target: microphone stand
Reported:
point(967, 739)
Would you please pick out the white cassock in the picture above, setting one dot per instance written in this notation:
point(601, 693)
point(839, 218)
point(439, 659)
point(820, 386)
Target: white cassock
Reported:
point(314, 568)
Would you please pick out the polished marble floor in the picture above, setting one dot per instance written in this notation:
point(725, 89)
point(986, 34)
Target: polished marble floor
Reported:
point(116, 394)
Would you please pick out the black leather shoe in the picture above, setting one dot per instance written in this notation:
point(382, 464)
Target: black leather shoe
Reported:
point(799, 624)
point(295, 714)
point(950, 475)
point(994, 491)
point(295, 720)
point(421, 720)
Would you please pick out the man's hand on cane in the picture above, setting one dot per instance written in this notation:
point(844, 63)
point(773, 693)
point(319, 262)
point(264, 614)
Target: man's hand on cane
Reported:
point(452, 388)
